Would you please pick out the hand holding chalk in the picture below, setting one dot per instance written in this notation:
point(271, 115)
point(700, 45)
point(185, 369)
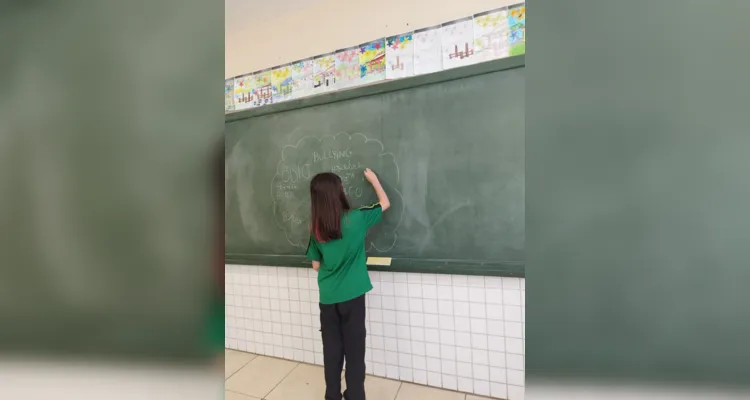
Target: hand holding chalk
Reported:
point(370, 176)
point(382, 197)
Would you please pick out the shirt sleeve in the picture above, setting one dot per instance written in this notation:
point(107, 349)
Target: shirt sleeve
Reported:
point(372, 214)
point(313, 253)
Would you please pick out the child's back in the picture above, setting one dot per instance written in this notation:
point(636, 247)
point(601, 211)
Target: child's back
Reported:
point(343, 263)
point(337, 251)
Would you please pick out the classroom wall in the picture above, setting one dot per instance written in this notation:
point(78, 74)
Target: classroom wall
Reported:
point(457, 332)
point(259, 37)
point(451, 331)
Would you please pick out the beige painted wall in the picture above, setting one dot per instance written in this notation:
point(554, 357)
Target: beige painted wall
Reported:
point(259, 37)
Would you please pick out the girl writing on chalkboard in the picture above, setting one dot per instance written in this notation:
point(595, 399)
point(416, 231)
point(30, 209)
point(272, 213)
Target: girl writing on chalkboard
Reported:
point(337, 251)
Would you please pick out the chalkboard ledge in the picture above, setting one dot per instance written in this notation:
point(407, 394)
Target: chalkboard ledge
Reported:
point(431, 266)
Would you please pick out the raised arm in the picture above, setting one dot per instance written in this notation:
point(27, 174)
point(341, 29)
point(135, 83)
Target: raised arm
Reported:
point(382, 197)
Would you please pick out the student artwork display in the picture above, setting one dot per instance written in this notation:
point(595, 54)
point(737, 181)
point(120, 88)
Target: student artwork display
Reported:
point(458, 43)
point(491, 35)
point(399, 56)
point(517, 27)
point(244, 92)
point(281, 83)
point(302, 78)
point(347, 68)
point(486, 36)
point(263, 88)
point(427, 51)
point(324, 73)
point(229, 95)
point(372, 61)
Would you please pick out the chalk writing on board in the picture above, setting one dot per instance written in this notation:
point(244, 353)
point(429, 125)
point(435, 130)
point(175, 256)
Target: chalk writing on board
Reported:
point(331, 155)
point(347, 155)
point(295, 173)
point(293, 219)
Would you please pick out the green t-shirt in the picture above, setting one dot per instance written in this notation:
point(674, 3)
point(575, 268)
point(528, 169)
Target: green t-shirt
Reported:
point(343, 263)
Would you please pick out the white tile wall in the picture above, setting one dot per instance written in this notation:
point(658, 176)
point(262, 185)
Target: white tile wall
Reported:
point(464, 333)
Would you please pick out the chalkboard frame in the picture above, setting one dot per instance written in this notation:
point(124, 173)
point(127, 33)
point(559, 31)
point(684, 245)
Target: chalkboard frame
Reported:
point(437, 266)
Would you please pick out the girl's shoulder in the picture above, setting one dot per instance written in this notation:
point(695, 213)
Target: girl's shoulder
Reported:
point(355, 214)
point(365, 214)
point(352, 214)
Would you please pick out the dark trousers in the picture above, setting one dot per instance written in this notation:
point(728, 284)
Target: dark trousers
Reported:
point(343, 328)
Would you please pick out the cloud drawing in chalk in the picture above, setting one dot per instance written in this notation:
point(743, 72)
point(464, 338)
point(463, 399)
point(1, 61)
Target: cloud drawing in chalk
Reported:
point(347, 155)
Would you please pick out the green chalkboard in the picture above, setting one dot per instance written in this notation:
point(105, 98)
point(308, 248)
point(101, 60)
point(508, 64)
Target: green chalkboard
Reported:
point(449, 150)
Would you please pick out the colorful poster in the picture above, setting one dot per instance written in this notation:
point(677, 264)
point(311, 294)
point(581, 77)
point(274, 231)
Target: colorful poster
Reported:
point(244, 92)
point(491, 35)
point(229, 95)
point(281, 82)
point(372, 61)
point(458, 43)
point(302, 78)
point(324, 73)
point(264, 88)
point(517, 27)
point(347, 68)
point(399, 56)
point(427, 55)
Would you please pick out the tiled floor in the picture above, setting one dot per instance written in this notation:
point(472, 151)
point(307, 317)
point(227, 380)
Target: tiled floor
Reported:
point(252, 377)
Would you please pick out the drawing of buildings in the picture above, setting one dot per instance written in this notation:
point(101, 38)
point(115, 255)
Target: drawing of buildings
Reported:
point(376, 65)
point(286, 87)
point(246, 97)
point(398, 64)
point(326, 78)
point(264, 95)
point(497, 40)
point(229, 101)
point(302, 81)
point(348, 71)
point(493, 44)
point(461, 54)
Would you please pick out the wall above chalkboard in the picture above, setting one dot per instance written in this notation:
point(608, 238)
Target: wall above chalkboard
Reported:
point(449, 148)
point(486, 36)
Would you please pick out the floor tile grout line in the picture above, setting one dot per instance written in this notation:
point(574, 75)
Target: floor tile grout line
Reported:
point(442, 389)
point(400, 382)
point(240, 368)
point(234, 391)
point(282, 380)
point(400, 385)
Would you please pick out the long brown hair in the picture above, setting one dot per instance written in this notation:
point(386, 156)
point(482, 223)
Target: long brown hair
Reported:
point(327, 204)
